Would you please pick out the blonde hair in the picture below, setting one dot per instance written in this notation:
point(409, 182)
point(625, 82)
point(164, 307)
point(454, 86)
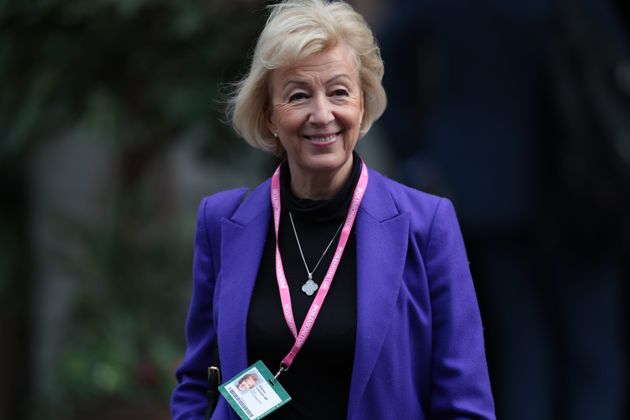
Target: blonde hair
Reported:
point(296, 29)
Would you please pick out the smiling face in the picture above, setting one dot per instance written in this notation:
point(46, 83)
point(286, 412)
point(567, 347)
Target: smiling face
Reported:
point(316, 111)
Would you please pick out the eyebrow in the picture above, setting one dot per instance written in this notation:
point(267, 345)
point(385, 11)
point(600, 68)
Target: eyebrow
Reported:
point(294, 82)
point(327, 82)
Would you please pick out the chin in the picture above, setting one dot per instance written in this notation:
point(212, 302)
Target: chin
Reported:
point(327, 162)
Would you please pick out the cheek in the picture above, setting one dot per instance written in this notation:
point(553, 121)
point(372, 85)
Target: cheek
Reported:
point(287, 139)
point(355, 114)
point(285, 114)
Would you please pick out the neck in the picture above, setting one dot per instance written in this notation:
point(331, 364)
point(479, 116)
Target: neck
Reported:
point(319, 185)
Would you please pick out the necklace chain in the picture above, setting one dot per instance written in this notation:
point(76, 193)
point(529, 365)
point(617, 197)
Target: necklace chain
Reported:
point(297, 239)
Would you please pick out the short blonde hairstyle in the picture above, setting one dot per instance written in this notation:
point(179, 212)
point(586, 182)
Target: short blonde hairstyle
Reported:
point(296, 29)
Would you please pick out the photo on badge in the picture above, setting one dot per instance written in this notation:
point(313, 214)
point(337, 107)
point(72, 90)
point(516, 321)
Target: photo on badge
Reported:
point(247, 382)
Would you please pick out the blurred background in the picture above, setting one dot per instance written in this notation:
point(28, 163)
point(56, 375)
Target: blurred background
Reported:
point(111, 132)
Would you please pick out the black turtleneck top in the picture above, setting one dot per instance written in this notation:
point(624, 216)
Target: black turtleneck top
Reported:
point(319, 379)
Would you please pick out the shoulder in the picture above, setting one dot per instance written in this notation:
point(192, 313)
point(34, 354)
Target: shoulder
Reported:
point(429, 215)
point(221, 204)
point(419, 205)
point(240, 205)
point(402, 194)
point(213, 208)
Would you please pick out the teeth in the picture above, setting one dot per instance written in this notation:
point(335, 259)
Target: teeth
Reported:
point(322, 139)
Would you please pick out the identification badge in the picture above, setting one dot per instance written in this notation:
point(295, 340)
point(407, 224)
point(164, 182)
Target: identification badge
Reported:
point(254, 393)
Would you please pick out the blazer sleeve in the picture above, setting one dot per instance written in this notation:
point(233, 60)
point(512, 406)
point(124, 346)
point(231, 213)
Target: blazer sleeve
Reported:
point(189, 397)
point(460, 382)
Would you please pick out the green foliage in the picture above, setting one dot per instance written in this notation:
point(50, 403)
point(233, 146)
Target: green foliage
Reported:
point(131, 273)
point(152, 65)
point(136, 74)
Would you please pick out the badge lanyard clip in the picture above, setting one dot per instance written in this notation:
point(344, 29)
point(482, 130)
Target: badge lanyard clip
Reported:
point(283, 368)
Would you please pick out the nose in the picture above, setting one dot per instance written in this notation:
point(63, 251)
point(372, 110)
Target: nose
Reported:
point(321, 112)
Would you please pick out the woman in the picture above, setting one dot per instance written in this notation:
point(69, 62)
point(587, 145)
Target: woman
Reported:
point(373, 319)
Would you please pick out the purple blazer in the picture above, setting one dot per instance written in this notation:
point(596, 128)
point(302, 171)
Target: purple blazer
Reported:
point(419, 343)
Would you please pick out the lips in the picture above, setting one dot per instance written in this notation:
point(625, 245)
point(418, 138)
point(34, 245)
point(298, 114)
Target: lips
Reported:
point(322, 138)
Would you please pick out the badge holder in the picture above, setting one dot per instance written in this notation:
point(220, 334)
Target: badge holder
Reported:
point(254, 393)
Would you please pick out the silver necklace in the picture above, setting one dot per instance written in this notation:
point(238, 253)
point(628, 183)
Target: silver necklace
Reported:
point(310, 286)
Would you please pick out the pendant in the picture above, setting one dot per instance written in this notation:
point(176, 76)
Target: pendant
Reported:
point(309, 287)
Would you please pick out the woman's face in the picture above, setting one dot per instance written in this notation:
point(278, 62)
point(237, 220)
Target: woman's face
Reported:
point(316, 111)
point(247, 382)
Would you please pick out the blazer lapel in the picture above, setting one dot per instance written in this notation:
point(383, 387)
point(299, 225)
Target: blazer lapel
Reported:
point(242, 242)
point(382, 235)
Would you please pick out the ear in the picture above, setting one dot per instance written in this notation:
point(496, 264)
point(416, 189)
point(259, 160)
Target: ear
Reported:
point(271, 125)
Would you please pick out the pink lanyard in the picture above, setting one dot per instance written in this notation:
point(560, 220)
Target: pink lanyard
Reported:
point(318, 301)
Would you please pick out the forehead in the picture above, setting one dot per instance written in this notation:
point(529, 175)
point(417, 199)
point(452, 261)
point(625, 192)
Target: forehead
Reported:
point(334, 61)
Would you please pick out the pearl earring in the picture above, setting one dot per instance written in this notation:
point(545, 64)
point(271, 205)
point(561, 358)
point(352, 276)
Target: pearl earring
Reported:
point(275, 135)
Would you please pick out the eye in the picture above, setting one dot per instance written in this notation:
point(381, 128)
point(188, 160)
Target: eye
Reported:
point(340, 92)
point(297, 96)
